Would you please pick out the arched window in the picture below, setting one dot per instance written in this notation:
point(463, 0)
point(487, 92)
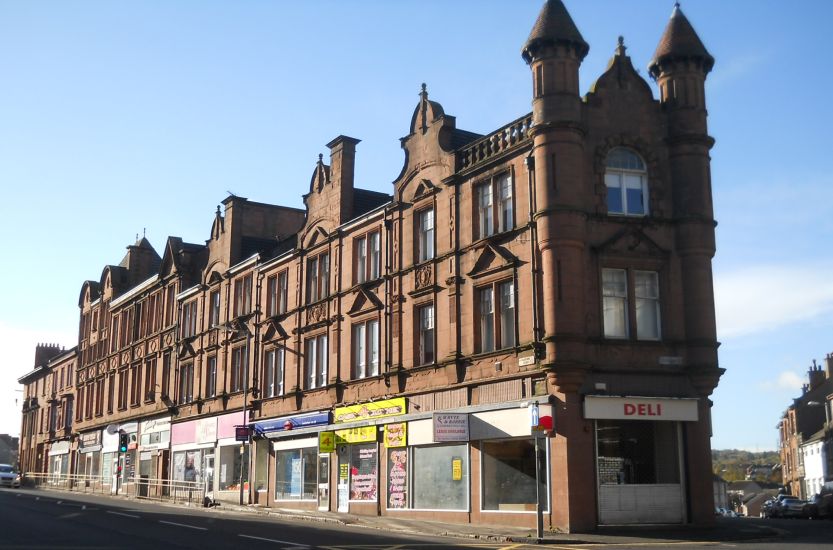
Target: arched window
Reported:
point(627, 183)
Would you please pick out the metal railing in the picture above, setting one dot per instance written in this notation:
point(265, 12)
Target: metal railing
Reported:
point(139, 487)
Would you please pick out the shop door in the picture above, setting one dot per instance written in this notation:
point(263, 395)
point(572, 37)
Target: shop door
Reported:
point(324, 482)
point(640, 473)
point(343, 479)
point(208, 470)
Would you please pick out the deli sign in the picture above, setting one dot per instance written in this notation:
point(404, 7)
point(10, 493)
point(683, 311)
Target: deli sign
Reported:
point(640, 408)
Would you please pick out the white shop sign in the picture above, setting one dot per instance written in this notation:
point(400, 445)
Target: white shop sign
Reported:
point(640, 408)
point(451, 427)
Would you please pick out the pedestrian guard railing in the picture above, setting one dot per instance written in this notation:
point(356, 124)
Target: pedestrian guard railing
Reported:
point(140, 487)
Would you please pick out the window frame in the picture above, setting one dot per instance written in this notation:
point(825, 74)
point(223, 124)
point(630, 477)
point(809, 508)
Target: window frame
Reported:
point(185, 383)
point(367, 253)
point(426, 245)
point(363, 336)
point(211, 376)
point(498, 216)
point(421, 331)
point(318, 277)
point(274, 360)
point(497, 315)
point(239, 367)
point(188, 328)
point(631, 306)
point(214, 308)
point(243, 295)
point(315, 375)
point(620, 175)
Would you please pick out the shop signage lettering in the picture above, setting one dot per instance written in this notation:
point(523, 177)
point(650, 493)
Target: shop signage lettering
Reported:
point(90, 439)
point(375, 409)
point(451, 427)
point(343, 470)
point(365, 434)
point(643, 409)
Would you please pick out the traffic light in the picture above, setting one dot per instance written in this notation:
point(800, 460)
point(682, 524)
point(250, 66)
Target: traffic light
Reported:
point(124, 439)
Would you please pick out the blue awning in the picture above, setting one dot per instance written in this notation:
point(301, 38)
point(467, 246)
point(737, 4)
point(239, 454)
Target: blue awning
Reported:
point(299, 421)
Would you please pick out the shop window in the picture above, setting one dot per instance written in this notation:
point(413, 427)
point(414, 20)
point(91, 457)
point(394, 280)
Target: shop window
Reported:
point(509, 476)
point(187, 466)
point(318, 278)
point(232, 465)
point(296, 474)
point(634, 452)
point(425, 340)
point(273, 372)
point(425, 235)
point(316, 362)
point(497, 317)
point(262, 465)
point(440, 477)
point(397, 478)
point(366, 349)
point(364, 464)
point(627, 183)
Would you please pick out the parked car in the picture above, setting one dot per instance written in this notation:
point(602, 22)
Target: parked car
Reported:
point(773, 507)
point(820, 506)
point(8, 476)
point(791, 508)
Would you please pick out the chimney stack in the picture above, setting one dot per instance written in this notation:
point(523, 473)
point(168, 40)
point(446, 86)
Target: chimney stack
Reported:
point(816, 376)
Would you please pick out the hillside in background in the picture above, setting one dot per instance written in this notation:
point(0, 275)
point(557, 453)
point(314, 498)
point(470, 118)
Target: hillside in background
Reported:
point(735, 465)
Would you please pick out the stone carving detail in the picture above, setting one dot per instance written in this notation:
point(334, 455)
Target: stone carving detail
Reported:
point(125, 358)
point(139, 352)
point(154, 345)
point(91, 372)
point(114, 363)
point(424, 276)
point(212, 338)
point(169, 339)
point(317, 313)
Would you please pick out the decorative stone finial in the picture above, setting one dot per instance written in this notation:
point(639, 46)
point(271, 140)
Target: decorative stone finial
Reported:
point(620, 49)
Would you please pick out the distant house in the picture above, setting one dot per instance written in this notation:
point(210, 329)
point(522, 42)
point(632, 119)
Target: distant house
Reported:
point(8, 449)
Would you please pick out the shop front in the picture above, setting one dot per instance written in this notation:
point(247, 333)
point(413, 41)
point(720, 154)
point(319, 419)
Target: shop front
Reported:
point(205, 452)
point(89, 456)
point(298, 465)
point(154, 454)
point(640, 469)
point(59, 461)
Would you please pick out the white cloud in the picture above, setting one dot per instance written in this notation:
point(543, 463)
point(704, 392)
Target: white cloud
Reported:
point(786, 381)
point(762, 298)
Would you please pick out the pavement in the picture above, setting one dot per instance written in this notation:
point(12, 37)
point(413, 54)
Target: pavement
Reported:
point(723, 530)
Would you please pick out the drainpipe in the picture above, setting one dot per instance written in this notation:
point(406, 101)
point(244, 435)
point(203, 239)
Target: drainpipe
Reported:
point(529, 161)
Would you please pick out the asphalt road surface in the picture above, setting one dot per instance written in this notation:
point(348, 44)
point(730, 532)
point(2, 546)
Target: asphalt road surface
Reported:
point(35, 520)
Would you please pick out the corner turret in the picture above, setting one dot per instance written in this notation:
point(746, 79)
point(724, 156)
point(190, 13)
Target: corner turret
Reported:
point(554, 51)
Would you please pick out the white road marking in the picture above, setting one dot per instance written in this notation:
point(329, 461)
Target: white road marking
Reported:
point(122, 514)
point(294, 544)
point(184, 525)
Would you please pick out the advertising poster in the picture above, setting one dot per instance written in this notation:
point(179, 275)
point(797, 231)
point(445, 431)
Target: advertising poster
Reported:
point(363, 472)
point(396, 435)
point(397, 478)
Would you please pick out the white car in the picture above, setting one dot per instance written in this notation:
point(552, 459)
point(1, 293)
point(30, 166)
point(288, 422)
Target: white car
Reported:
point(8, 476)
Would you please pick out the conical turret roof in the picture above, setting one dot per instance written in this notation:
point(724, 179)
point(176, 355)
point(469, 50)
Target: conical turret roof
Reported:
point(554, 25)
point(680, 41)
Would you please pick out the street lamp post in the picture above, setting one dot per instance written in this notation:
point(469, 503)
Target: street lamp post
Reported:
point(237, 326)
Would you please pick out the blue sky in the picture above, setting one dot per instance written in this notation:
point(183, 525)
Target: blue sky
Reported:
point(123, 117)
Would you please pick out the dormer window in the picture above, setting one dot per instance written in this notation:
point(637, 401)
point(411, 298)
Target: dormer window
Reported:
point(627, 183)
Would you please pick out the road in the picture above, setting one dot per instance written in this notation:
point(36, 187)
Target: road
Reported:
point(35, 520)
point(46, 520)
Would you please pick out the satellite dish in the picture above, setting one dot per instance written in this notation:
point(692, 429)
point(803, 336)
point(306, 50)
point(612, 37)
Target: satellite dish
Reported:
point(112, 429)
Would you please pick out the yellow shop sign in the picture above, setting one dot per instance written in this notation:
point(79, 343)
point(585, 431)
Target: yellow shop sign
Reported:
point(375, 409)
point(365, 434)
point(326, 442)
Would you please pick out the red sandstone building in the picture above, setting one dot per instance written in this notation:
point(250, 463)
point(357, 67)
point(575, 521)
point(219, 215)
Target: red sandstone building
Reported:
point(388, 350)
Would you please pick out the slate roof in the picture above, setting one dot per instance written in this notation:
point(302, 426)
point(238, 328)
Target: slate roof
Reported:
point(364, 201)
point(680, 41)
point(554, 25)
